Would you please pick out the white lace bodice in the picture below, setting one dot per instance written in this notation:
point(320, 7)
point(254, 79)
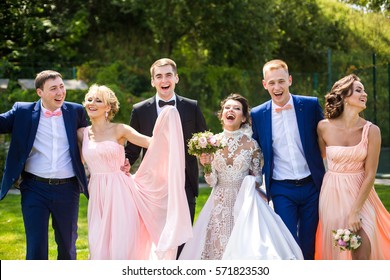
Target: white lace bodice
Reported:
point(240, 157)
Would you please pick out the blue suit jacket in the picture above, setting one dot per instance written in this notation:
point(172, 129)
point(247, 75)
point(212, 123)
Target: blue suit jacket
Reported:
point(308, 112)
point(22, 122)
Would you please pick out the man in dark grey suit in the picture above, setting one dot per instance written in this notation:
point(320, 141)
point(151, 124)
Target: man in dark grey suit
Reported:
point(164, 78)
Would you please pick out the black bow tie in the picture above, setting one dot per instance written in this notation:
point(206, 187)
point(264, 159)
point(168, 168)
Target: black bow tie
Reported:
point(162, 103)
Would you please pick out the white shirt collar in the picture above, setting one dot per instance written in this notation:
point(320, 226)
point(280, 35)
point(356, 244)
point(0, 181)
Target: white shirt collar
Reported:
point(158, 108)
point(43, 109)
point(290, 101)
point(158, 98)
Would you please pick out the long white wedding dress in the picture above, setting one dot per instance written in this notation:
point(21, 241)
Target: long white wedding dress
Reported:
point(236, 223)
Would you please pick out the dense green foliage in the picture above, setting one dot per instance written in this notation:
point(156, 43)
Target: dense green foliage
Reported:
point(219, 46)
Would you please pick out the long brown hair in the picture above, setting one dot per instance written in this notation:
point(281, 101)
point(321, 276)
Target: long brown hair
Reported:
point(334, 100)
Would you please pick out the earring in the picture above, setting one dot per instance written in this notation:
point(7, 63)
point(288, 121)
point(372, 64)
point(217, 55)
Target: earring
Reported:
point(106, 115)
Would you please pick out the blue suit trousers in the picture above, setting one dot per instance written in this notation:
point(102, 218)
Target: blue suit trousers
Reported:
point(39, 202)
point(298, 208)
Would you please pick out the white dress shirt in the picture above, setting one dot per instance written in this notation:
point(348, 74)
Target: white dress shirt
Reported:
point(289, 158)
point(50, 157)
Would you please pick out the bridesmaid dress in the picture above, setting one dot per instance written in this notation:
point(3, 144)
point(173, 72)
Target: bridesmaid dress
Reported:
point(145, 215)
point(340, 188)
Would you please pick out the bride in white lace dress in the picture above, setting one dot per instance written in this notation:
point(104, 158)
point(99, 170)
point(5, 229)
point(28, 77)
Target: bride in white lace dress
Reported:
point(236, 222)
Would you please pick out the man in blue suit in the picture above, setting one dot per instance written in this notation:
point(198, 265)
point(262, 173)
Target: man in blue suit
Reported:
point(45, 153)
point(286, 129)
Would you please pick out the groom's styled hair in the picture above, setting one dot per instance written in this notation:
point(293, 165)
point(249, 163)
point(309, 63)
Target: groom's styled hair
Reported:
point(274, 65)
point(163, 62)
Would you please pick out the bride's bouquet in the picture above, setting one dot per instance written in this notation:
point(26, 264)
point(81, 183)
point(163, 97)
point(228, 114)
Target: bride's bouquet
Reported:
point(205, 143)
point(346, 239)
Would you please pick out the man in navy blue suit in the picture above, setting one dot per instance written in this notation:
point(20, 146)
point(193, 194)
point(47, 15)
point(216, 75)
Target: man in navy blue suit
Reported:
point(286, 129)
point(45, 153)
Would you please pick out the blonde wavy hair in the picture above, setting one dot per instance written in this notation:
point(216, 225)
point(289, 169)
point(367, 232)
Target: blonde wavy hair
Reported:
point(107, 96)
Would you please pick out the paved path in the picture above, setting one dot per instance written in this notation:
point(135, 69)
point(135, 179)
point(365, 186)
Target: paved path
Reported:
point(382, 182)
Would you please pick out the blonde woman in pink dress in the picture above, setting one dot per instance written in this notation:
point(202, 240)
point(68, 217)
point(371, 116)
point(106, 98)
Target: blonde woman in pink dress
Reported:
point(348, 199)
point(141, 216)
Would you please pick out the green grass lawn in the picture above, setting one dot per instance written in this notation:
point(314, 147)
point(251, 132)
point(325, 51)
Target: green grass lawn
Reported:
point(12, 237)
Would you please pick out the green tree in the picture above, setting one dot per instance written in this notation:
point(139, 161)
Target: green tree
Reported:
point(306, 35)
point(233, 33)
point(64, 32)
point(40, 33)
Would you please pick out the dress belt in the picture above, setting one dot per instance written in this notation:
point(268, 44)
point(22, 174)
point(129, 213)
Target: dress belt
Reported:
point(299, 182)
point(50, 181)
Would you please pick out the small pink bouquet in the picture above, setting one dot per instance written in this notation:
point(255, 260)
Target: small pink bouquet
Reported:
point(205, 143)
point(346, 239)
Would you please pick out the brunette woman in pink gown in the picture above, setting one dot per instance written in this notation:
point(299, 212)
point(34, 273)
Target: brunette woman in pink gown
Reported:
point(348, 198)
point(141, 216)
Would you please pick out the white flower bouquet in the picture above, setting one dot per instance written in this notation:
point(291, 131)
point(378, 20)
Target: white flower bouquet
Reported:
point(205, 143)
point(345, 239)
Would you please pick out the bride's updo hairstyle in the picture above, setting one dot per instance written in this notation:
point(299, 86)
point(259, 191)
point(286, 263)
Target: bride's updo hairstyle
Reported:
point(245, 107)
point(334, 100)
point(107, 96)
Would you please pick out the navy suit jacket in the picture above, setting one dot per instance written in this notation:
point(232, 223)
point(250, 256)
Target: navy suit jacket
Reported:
point(143, 119)
point(22, 123)
point(308, 112)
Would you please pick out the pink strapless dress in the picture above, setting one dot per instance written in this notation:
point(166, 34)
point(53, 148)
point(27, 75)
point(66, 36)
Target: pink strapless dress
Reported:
point(340, 188)
point(145, 215)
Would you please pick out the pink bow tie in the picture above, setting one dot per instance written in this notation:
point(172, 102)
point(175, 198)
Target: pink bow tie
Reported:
point(49, 114)
point(285, 107)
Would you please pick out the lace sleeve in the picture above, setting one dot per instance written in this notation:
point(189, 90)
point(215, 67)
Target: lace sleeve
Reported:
point(257, 163)
point(211, 178)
